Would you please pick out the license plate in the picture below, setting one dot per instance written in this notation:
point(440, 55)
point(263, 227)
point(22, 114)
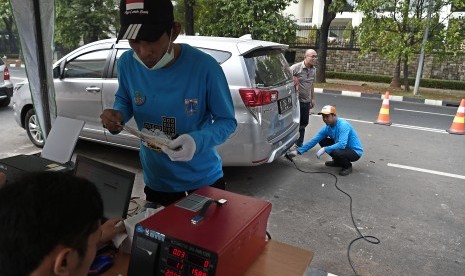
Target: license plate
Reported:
point(284, 104)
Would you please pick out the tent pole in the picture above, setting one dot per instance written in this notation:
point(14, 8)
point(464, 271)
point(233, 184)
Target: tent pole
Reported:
point(42, 70)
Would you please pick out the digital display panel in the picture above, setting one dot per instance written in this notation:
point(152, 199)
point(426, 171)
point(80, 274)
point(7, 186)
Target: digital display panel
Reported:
point(197, 272)
point(179, 259)
point(202, 262)
point(177, 252)
point(174, 264)
point(169, 272)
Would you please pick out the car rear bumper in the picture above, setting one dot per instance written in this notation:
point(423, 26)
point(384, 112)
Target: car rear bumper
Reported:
point(6, 92)
point(283, 147)
point(237, 152)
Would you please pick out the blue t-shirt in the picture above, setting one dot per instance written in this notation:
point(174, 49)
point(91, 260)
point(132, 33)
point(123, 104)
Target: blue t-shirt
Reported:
point(190, 96)
point(343, 134)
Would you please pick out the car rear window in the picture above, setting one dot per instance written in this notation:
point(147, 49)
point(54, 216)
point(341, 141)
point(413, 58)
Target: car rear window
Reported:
point(267, 67)
point(220, 56)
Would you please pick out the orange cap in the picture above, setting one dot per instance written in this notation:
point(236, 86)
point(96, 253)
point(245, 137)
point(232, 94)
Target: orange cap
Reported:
point(328, 109)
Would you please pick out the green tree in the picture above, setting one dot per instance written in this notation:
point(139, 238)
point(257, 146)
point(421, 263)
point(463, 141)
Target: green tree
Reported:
point(454, 37)
point(347, 33)
point(8, 25)
point(189, 16)
point(312, 35)
point(86, 20)
point(187, 12)
point(395, 29)
point(263, 19)
point(331, 8)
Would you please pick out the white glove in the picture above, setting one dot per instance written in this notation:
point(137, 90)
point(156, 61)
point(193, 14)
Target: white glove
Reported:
point(320, 153)
point(181, 148)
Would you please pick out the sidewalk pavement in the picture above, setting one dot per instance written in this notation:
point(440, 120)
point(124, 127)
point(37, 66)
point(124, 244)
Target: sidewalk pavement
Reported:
point(380, 95)
point(14, 63)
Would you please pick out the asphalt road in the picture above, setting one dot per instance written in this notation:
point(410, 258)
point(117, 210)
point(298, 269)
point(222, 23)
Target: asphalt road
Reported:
point(17, 74)
point(415, 211)
point(14, 139)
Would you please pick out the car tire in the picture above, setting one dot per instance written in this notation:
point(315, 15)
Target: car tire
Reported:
point(31, 124)
point(5, 102)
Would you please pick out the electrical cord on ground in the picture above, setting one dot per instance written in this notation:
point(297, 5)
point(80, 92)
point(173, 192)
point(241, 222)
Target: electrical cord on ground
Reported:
point(369, 239)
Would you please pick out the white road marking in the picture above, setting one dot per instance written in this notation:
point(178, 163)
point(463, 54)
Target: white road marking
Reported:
point(355, 120)
point(417, 111)
point(420, 128)
point(426, 171)
point(398, 125)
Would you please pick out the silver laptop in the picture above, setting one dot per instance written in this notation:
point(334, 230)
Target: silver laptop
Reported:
point(57, 151)
point(114, 184)
point(60, 142)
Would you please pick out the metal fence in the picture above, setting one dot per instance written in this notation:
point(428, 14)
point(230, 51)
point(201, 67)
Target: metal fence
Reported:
point(306, 37)
point(6, 45)
point(338, 38)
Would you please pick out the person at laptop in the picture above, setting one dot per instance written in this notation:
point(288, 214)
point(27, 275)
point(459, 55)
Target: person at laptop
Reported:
point(174, 88)
point(50, 225)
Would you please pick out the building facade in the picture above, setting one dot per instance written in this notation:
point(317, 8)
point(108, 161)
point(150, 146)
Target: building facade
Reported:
point(310, 13)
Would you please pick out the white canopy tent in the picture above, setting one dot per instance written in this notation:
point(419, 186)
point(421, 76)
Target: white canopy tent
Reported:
point(35, 23)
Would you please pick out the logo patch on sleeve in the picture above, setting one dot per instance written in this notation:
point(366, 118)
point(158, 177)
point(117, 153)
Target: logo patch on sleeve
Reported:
point(139, 98)
point(191, 106)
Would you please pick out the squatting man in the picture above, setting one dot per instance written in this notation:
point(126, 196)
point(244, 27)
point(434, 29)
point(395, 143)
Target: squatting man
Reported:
point(338, 139)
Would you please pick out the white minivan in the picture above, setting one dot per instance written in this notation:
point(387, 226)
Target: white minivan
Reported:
point(261, 85)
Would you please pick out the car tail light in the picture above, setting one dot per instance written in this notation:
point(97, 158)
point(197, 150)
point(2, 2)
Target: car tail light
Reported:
point(258, 97)
point(6, 74)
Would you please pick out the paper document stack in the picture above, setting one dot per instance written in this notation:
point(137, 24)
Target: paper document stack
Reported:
point(155, 138)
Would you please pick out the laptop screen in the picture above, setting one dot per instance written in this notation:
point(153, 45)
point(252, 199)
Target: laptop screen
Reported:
point(114, 184)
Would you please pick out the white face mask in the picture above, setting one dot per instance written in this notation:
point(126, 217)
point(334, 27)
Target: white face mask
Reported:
point(165, 59)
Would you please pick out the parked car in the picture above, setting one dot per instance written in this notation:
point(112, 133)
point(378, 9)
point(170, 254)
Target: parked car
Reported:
point(261, 85)
point(6, 86)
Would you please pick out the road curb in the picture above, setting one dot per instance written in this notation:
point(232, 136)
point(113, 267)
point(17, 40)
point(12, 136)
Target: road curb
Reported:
point(12, 65)
point(392, 98)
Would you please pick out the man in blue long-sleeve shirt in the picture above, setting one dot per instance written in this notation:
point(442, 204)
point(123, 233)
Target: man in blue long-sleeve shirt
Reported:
point(338, 139)
point(175, 89)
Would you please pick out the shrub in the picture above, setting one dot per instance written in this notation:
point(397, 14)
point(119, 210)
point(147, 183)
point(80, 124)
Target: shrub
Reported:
point(429, 83)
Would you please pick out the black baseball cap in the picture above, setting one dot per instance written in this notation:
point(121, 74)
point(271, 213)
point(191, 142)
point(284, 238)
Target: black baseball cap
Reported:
point(145, 19)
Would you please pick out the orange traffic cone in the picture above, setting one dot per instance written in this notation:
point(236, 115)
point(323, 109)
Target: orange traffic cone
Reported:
point(458, 124)
point(383, 118)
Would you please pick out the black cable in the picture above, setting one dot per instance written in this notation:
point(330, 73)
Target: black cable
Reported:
point(369, 239)
point(134, 210)
point(205, 206)
point(268, 235)
point(203, 210)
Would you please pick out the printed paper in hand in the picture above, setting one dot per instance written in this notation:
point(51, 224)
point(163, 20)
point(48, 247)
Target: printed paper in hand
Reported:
point(156, 138)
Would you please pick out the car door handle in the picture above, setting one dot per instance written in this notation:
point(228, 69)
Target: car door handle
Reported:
point(93, 89)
